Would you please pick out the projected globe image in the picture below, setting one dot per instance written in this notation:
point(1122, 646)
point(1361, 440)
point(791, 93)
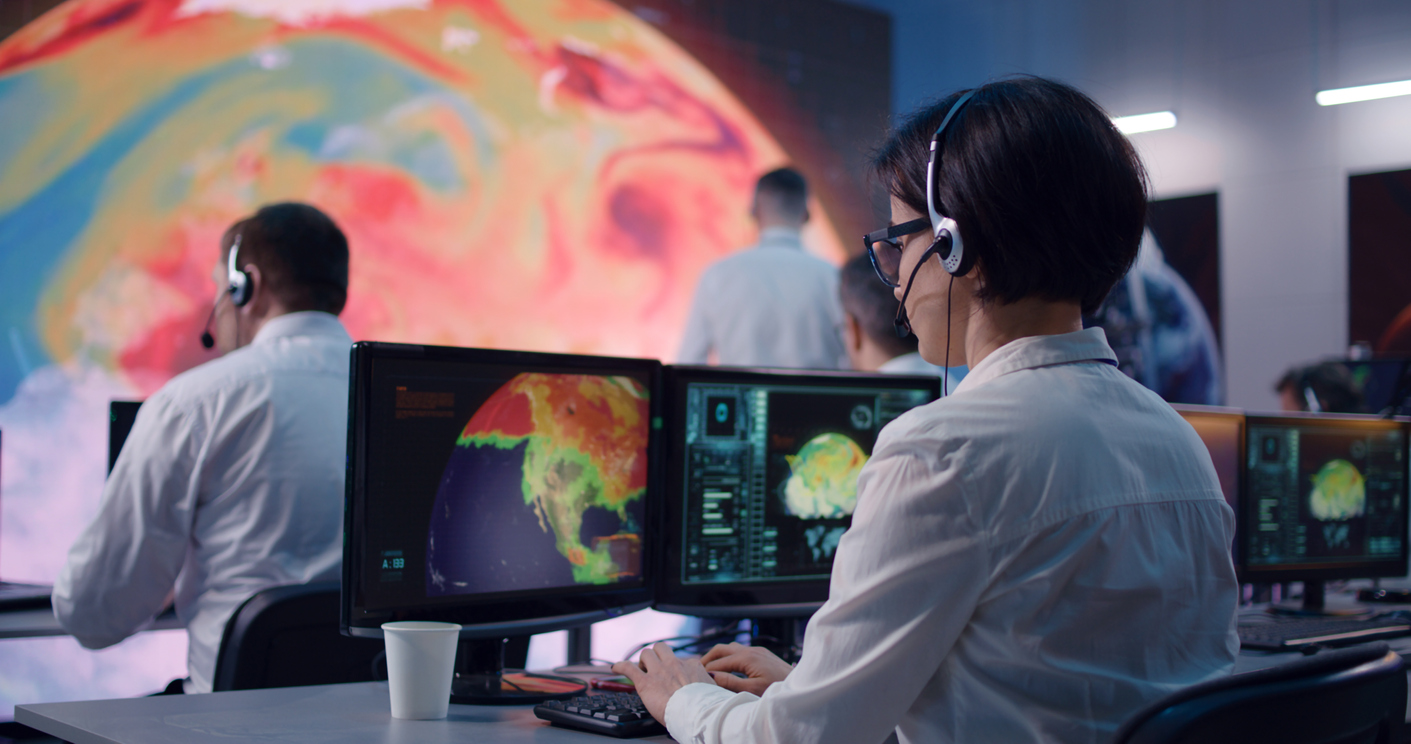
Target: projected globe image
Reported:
point(544, 488)
point(1339, 492)
point(823, 478)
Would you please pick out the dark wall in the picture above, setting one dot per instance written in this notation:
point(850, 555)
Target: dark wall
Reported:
point(14, 14)
point(1188, 230)
point(817, 73)
point(1379, 260)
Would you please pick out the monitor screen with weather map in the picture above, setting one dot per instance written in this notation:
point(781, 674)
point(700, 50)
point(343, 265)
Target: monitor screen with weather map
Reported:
point(514, 483)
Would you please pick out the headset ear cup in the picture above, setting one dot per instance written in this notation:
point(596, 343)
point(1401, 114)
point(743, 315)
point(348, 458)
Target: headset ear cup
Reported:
point(965, 260)
point(239, 288)
point(957, 261)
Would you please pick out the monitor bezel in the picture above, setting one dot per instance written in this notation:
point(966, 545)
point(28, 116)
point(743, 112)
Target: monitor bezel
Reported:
point(502, 616)
point(755, 599)
point(1238, 416)
point(1331, 570)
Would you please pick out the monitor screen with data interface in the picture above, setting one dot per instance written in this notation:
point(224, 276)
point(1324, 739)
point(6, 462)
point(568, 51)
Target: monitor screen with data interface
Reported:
point(492, 487)
point(762, 482)
point(1325, 497)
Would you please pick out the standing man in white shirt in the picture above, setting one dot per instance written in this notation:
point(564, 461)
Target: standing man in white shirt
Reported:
point(869, 334)
point(771, 305)
point(231, 480)
point(1040, 554)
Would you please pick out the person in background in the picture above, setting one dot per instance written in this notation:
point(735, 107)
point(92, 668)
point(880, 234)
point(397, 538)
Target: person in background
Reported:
point(1040, 554)
point(772, 305)
point(1326, 387)
point(231, 480)
point(869, 335)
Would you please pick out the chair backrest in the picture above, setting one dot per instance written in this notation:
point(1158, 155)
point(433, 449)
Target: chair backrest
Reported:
point(288, 636)
point(1351, 696)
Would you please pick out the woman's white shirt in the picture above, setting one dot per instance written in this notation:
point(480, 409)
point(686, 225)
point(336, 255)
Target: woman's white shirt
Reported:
point(1032, 558)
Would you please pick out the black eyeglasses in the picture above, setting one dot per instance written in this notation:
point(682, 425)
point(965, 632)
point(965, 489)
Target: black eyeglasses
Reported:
point(886, 261)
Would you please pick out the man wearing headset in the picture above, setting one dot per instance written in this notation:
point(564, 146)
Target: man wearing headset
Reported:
point(1038, 555)
point(231, 480)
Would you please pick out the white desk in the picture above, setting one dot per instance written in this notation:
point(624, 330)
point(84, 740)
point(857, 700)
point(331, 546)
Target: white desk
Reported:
point(353, 713)
point(345, 714)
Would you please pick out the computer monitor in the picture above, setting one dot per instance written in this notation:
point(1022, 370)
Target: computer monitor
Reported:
point(1324, 497)
point(761, 481)
point(1222, 432)
point(122, 414)
point(509, 492)
point(1382, 383)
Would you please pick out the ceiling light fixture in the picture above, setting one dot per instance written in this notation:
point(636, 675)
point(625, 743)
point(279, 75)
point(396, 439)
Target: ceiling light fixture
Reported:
point(1363, 93)
point(1145, 122)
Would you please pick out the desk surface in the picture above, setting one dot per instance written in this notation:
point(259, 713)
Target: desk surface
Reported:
point(352, 714)
point(39, 622)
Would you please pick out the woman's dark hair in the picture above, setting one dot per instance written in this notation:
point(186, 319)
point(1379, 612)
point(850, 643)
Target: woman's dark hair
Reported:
point(301, 253)
point(1047, 193)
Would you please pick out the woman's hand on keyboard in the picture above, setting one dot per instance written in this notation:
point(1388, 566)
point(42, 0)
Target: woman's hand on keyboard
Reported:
point(760, 667)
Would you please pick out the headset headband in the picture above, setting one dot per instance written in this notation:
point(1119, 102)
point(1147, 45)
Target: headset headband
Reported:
point(936, 217)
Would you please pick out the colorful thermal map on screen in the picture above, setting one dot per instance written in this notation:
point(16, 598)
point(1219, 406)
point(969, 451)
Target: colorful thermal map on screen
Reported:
point(544, 488)
point(822, 480)
point(536, 174)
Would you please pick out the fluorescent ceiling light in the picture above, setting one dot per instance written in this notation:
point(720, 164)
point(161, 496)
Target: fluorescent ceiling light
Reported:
point(1363, 93)
point(1145, 122)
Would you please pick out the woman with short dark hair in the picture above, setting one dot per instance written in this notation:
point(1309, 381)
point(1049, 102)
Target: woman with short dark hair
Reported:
point(1039, 554)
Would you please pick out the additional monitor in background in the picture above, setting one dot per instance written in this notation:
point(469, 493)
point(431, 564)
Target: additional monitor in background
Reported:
point(509, 492)
point(761, 483)
point(121, 415)
point(1222, 431)
point(1382, 383)
point(1325, 497)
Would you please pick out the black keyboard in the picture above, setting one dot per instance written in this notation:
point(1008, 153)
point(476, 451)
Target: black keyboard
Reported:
point(1283, 635)
point(619, 714)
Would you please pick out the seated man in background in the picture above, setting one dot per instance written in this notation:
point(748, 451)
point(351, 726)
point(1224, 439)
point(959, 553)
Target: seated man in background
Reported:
point(772, 305)
point(869, 335)
point(1327, 387)
point(232, 478)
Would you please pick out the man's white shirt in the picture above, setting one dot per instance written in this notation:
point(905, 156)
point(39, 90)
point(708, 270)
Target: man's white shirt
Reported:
point(772, 305)
point(1031, 559)
point(230, 482)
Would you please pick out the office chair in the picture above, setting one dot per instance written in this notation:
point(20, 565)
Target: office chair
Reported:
point(1351, 696)
point(288, 636)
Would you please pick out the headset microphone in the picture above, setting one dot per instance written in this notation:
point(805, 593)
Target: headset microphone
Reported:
point(207, 340)
point(901, 323)
point(237, 285)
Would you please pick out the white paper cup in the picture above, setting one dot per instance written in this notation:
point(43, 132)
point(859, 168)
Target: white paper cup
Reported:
point(421, 657)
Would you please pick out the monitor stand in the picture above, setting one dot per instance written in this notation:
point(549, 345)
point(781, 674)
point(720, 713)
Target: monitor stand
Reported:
point(780, 635)
point(481, 678)
point(1314, 604)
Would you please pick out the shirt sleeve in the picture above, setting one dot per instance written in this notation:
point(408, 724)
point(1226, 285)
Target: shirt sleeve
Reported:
point(907, 577)
point(124, 564)
point(696, 342)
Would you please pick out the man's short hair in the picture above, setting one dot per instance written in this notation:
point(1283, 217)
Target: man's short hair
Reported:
point(786, 190)
point(1330, 382)
point(301, 254)
point(866, 298)
point(1047, 193)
